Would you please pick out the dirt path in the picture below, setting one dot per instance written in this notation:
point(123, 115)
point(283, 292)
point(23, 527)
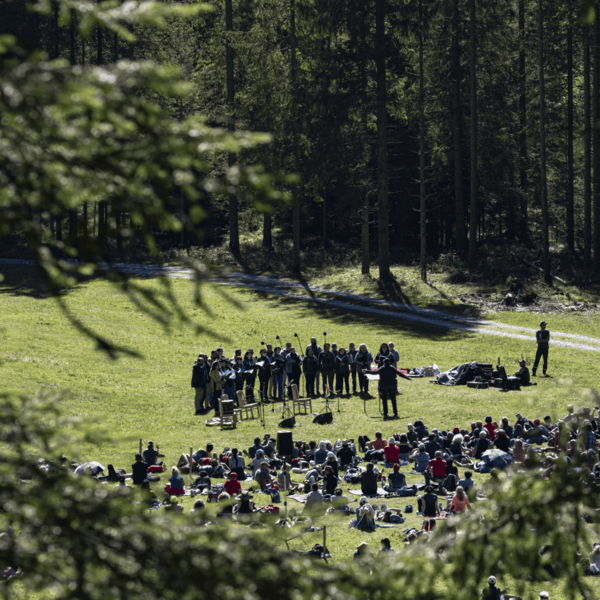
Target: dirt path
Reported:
point(355, 302)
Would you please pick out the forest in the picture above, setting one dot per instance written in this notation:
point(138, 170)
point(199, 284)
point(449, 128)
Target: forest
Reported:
point(413, 126)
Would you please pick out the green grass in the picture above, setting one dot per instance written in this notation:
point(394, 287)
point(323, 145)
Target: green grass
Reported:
point(151, 398)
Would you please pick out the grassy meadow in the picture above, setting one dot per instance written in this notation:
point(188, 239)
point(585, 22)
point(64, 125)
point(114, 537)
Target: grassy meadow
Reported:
point(151, 397)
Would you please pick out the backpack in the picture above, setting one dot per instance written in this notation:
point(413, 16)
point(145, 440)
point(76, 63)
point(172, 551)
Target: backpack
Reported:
point(451, 482)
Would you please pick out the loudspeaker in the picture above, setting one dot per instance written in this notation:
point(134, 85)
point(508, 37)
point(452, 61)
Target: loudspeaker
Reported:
point(324, 419)
point(285, 444)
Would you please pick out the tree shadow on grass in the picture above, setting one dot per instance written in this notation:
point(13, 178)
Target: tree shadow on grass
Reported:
point(384, 324)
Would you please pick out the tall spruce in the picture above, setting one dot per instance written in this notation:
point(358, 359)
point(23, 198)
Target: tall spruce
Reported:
point(474, 182)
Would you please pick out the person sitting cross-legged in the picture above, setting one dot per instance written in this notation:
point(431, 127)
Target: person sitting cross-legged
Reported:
point(368, 481)
point(175, 487)
point(428, 503)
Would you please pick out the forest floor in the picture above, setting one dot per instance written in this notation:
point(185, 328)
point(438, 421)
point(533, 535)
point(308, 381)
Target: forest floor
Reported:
point(151, 398)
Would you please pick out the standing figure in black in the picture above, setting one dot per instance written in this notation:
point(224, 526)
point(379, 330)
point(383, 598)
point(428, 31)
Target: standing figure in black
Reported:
point(542, 337)
point(316, 350)
point(294, 376)
point(387, 385)
point(342, 361)
point(310, 366)
point(327, 364)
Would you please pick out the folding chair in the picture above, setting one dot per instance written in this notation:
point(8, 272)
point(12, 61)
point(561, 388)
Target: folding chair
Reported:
point(246, 410)
point(226, 413)
point(302, 406)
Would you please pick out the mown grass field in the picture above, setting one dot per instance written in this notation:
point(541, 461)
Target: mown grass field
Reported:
point(151, 398)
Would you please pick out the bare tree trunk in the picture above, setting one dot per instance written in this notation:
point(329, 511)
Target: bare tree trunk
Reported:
point(296, 206)
point(85, 220)
point(324, 237)
point(382, 159)
point(459, 197)
point(366, 258)
point(570, 216)
point(72, 212)
point(587, 169)
point(596, 144)
point(267, 240)
point(102, 206)
point(474, 200)
point(365, 245)
point(423, 203)
point(544, 186)
point(523, 152)
point(234, 231)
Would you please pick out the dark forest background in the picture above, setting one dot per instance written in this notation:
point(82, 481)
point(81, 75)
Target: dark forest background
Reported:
point(414, 127)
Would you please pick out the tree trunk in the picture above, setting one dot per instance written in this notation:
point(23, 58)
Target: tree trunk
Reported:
point(72, 42)
point(382, 159)
point(587, 146)
point(523, 152)
point(267, 240)
point(459, 198)
point(570, 216)
point(324, 239)
point(296, 206)
point(543, 182)
point(474, 205)
point(596, 144)
point(365, 245)
point(85, 220)
point(234, 231)
point(102, 210)
point(366, 258)
point(59, 236)
point(423, 202)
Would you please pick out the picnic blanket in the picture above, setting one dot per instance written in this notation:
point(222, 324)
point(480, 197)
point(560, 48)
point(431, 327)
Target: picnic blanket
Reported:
point(381, 493)
point(494, 459)
point(298, 497)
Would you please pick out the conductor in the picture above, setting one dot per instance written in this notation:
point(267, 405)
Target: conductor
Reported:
point(387, 385)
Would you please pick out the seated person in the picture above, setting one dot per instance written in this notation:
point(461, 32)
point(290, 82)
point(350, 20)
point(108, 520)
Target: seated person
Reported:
point(232, 485)
point(314, 499)
point(378, 443)
point(236, 464)
point(151, 455)
point(432, 446)
point(386, 546)
point(200, 453)
point(467, 483)
point(263, 476)
point(330, 481)
point(368, 481)
point(345, 454)
point(269, 449)
point(257, 460)
point(199, 512)
point(421, 459)
point(284, 480)
point(245, 505)
point(139, 470)
point(460, 502)
point(437, 467)
point(332, 462)
point(202, 482)
point(216, 469)
point(340, 502)
point(482, 445)
point(321, 454)
point(404, 447)
point(175, 487)
point(501, 442)
point(519, 453)
point(523, 373)
point(255, 448)
point(227, 510)
point(396, 480)
point(365, 515)
point(373, 454)
point(428, 503)
point(392, 452)
point(309, 454)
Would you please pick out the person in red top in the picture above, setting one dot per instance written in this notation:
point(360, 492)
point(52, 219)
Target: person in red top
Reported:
point(232, 486)
point(491, 427)
point(392, 452)
point(437, 466)
point(379, 443)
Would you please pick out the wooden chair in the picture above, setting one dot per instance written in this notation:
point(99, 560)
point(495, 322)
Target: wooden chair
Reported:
point(302, 406)
point(246, 410)
point(227, 413)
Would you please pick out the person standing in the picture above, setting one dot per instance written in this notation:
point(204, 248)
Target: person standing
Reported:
point(352, 352)
point(278, 368)
point(387, 385)
point(363, 362)
point(394, 352)
point(316, 350)
point(294, 363)
point(310, 366)
point(327, 364)
point(250, 367)
point(264, 374)
point(199, 381)
point(542, 337)
point(342, 361)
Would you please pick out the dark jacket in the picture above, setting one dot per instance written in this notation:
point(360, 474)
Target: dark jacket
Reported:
point(310, 365)
point(368, 483)
point(199, 376)
point(343, 363)
point(278, 364)
point(387, 376)
point(327, 360)
point(316, 350)
point(139, 471)
point(362, 360)
point(387, 355)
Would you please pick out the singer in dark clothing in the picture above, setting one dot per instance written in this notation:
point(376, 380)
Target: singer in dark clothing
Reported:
point(387, 385)
point(310, 366)
point(264, 374)
point(342, 361)
point(327, 364)
point(250, 366)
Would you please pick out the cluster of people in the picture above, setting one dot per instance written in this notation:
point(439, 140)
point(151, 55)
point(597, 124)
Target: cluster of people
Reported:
point(330, 368)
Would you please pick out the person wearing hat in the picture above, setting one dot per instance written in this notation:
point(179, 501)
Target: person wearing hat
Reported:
point(232, 485)
point(362, 552)
point(216, 469)
point(523, 373)
point(139, 470)
point(392, 452)
point(332, 462)
point(151, 455)
point(245, 505)
point(491, 592)
point(542, 337)
point(345, 454)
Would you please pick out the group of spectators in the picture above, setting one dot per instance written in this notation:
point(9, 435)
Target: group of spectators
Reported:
point(330, 368)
